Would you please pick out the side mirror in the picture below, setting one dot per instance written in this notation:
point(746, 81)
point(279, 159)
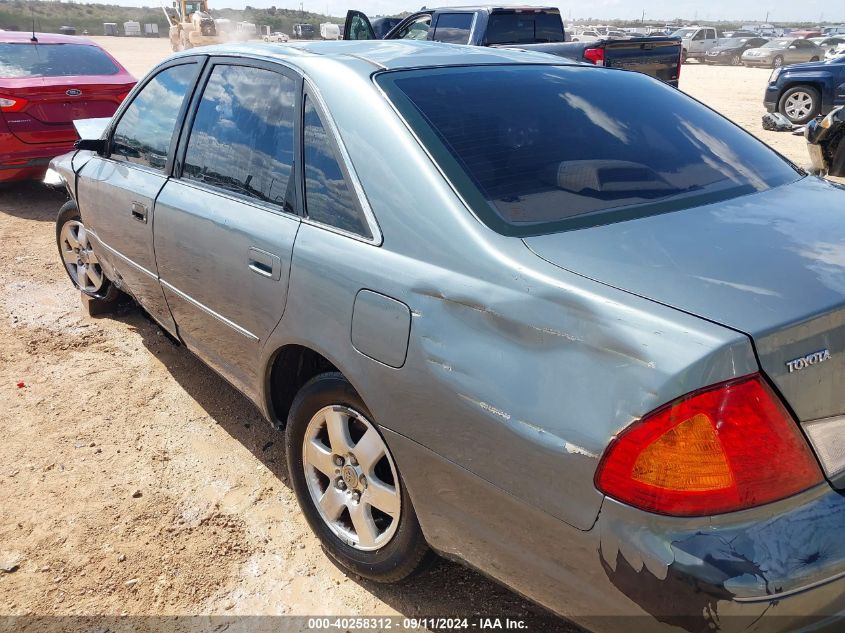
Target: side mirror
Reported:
point(97, 145)
point(793, 47)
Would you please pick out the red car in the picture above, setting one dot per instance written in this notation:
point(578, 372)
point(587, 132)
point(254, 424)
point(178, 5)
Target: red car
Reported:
point(46, 82)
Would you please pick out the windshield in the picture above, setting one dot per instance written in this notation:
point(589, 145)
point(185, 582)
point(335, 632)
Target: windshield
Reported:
point(536, 148)
point(733, 42)
point(777, 44)
point(684, 33)
point(53, 60)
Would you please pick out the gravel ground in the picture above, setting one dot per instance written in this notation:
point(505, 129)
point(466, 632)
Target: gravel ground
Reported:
point(135, 481)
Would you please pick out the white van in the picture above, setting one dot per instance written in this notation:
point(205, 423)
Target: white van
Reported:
point(329, 31)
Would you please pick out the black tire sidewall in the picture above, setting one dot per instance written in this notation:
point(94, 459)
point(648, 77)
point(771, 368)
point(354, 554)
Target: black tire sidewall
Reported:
point(108, 293)
point(406, 549)
point(817, 103)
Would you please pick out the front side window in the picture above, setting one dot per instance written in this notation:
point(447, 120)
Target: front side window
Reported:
point(145, 129)
point(539, 148)
point(242, 138)
point(54, 60)
point(416, 30)
point(453, 28)
point(328, 198)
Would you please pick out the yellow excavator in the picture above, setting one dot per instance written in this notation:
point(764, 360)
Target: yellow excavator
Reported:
point(191, 25)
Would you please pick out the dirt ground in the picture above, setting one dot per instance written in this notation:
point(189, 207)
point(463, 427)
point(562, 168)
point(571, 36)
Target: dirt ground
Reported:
point(135, 481)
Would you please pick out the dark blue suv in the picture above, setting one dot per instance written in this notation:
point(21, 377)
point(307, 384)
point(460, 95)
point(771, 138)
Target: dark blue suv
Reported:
point(804, 91)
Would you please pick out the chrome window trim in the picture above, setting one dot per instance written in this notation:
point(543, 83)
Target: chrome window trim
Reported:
point(357, 189)
point(253, 202)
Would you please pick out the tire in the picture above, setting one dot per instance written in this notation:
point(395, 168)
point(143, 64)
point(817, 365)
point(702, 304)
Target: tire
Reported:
point(736, 60)
point(399, 549)
point(684, 56)
point(95, 285)
point(777, 62)
point(800, 104)
point(814, 59)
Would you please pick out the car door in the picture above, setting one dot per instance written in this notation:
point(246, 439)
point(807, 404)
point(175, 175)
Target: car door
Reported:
point(227, 220)
point(710, 39)
point(697, 42)
point(358, 27)
point(416, 27)
point(116, 191)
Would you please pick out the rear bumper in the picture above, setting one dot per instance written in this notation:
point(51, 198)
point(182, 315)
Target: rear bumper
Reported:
point(635, 571)
point(25, 161)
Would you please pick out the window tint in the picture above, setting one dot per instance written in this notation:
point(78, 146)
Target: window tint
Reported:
point(416, 30)
point(242, 136)
point(327, 195)
point(699, 35)
point(145, 130)
point(532, 147)
point(524, 28)
point(453, 28)
point(54, 60)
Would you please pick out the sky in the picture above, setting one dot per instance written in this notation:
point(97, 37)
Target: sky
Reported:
point(744, 11)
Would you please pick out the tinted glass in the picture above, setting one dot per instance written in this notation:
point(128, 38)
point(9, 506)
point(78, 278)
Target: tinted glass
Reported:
point(54, 60)
point(145, 130)
point(242, 136)
point(453, 28)
point(328, 198)
point(534, 147)
point(524, 28)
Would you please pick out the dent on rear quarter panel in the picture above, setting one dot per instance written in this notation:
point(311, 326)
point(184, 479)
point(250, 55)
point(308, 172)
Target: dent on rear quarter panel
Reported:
point(518, 371)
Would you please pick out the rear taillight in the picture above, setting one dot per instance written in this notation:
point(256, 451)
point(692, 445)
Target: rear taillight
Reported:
point(12, 104)
point(122, 96)
point(725, 448)
point(594, 55)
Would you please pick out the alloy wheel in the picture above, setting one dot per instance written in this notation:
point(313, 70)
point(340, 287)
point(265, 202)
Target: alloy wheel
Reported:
point(798, 105)
point(351, 477)
point(79, 258)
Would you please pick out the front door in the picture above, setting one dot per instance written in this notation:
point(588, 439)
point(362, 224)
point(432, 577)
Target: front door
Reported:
point(226, 223)
point(117, 192)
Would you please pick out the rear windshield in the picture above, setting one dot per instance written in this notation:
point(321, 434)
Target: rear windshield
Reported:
point(536, 149)
point(524, 28)
point(53, 60)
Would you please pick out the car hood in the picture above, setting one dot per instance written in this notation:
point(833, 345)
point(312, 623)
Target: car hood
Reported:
point(769, 264)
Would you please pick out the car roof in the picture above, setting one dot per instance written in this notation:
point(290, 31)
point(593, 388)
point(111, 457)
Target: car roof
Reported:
point(382, 54)
point(25, 37)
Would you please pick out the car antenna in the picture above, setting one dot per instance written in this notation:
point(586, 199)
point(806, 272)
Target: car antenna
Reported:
point(33, 38)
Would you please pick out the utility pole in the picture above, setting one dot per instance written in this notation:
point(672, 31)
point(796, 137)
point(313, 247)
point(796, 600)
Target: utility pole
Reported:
point(642, 19)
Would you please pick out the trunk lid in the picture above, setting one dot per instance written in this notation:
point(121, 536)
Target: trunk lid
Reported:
point(770, 264)
point(53, 103)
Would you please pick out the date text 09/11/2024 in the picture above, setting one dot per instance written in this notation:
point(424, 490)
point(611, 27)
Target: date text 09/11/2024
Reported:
point(422, 623)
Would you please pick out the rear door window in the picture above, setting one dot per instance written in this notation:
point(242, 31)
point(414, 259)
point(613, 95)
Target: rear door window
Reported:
point(453, 28)
point(242, 137)
point(145, 129)
point(54, 60)
point(416, 30)
point(328, 198)
point(539, 148)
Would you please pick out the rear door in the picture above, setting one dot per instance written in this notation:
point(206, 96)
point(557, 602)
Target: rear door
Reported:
point(226, 223)
point(116, 192)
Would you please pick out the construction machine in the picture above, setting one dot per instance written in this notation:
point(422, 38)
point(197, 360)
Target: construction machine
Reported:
point(191, 25)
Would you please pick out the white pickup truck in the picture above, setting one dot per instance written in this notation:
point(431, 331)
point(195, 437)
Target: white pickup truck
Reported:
point(696, 41)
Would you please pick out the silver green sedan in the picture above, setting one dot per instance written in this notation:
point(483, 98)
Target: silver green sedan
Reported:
point(783, 51)
point(560, 322)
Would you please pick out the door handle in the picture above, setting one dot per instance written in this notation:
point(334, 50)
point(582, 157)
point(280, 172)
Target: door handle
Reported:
point(264, 263)
point(139, 212)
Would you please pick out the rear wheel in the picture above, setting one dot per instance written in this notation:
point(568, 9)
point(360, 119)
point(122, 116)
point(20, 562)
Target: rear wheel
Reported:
point(800, 104)
point(777, 62)
point(736, 60)
point(79, 259)
point(348, 485)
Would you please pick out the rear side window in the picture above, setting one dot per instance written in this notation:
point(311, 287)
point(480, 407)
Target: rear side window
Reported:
point(539, 148)
point(524, 28)
point(54, 60)
point(453, 28)
point(145, 129)
point(328, 198)
point(242, 138)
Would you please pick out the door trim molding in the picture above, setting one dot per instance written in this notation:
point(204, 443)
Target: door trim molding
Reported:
point(243, 332)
